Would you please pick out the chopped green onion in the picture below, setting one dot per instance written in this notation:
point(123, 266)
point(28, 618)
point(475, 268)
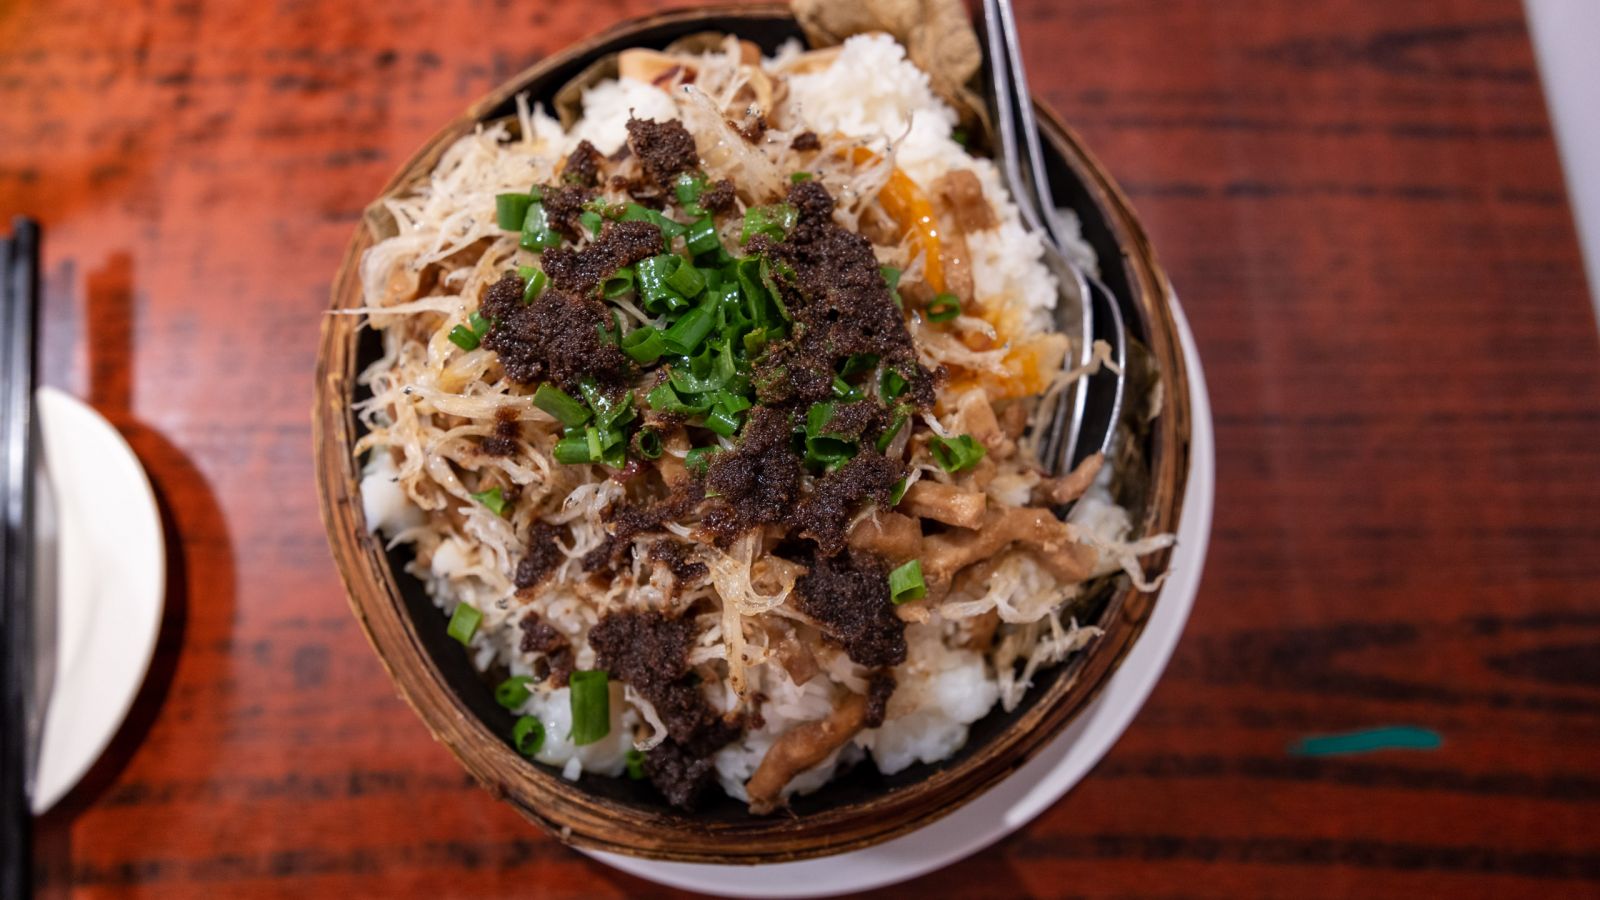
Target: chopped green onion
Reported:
point(887, 438)
point(566, 408)
point(669, 229)
point(892, 385)
point(647, 443)
point(513, 692)
point(687, 333)
point(732, 402)
point(480, 325)
point(634, 760)
point(511, 210)
point(494, 498)
point(664, 398)
point(723, 422)
point(617, 456)
point(617, 283)
point(592, 221)
point(844, 390)
point(463, 337)
point(527, 736)
point(536, 231)
point(686, 280)
point(818, 417)
point(798, 177)
point(891, 277)
point(537, 280)
point(536, 194)
point(702, 237)
point(899, 492)
point(607, 411)
point(651, 276)
point(712, 378)
point(905, 583)
point(609, 337)
point(591, 705)
point(944, 307)
point(767, 281)
point(774, 221)
point(689, 186)
point(699, 459)
point(957, 453)
point(644, 345)
point(959, 135)
point(823, 448)
point(464, 623)
point(857, 363)
point(572, 451)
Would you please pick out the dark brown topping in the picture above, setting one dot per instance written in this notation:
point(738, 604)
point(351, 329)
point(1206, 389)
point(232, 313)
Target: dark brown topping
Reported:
point(620, 244)
point(825, 514)
point(718, 197)
point(650, 652)
point(644, 648)
point(563, 206)
point(628, 522)
point(758, 481)
point(502, 298)
point(504, 440)
point(583, 166)
point(664, 148)
point(541, 558)
point(848, 595)
point(683, 773)
point(682, 777)
point(539, 637)
point(842, 306)
point(554, 338)
point(855, 420)
point(675, 555)
point(806, 140)
point(879, 689)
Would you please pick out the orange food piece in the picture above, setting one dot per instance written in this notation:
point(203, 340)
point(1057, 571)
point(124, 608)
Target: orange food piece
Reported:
point(906, 203)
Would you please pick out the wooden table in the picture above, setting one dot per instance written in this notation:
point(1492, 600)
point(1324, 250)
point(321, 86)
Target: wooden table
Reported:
point(1360, 203)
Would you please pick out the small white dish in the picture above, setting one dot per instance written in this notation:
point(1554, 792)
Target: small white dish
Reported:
point(1031, 789)
point(110, 586)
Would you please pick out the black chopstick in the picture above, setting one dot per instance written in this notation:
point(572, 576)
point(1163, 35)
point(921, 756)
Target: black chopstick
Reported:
point(19, 297)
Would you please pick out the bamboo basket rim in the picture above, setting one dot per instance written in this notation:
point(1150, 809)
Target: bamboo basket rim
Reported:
point(588, 821)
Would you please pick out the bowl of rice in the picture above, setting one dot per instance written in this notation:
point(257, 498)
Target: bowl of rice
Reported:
point(676, 429)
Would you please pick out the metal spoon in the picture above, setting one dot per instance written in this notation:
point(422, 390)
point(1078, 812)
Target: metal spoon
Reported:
point(1086, 309)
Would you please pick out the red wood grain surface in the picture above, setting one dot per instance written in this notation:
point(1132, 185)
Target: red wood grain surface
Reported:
point(1360, 204)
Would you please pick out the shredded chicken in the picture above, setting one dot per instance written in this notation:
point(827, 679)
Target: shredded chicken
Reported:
point(791, 653)
point(981, 630)
point(945, 503)
point(802, 747)
point(893, 536)
point(1072, 485)
point(961, 193)
point(1052, 540)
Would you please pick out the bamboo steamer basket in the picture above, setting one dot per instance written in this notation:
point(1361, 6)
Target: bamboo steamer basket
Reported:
point(862, 807)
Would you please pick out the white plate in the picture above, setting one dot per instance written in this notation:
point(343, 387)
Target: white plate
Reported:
point(110, 577)
point(1032, 789)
